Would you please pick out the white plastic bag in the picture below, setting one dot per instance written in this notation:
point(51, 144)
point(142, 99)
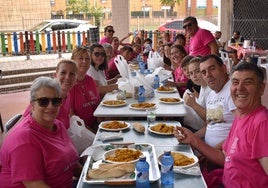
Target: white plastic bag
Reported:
point(81, 136)
point(154, 60)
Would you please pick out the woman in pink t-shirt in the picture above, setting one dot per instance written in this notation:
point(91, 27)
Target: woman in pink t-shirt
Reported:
point(108, 34)
point(38, 152)
point(177, 53)
point(85, 96)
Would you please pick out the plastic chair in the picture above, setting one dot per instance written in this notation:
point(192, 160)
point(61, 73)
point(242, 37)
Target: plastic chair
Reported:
point(12, 121)
point(226, 60)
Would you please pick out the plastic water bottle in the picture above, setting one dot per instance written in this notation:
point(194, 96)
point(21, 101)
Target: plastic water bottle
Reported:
point(142, 168)
point(167, 174)
point(141, 94)
point(142, 67)
point(156, 81)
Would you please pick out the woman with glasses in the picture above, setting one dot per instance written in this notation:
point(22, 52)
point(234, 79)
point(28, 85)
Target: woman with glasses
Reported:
point(38, 152)
point(66, 75)
point(97, 69)
point(108, 34)
point(85, 95)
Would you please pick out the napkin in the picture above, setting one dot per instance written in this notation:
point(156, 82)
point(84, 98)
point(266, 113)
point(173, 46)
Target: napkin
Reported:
point(195, 170)
point(107, 136)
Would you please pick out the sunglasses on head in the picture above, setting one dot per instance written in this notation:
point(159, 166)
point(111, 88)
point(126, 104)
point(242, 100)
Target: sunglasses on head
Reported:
point(44, 101)
point(97, 54)
point(110, 31)
point(188, 25)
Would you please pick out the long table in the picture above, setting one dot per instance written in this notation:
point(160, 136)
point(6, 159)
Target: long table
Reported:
point(162, 110)
point(161, 143)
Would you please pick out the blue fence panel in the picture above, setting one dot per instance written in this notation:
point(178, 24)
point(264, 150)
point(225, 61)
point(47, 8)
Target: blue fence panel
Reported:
point(79, 38)
point(48, 42)
point(15, 42)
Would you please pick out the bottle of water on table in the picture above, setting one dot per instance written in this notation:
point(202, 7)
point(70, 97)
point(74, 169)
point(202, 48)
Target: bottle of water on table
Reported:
point(142, 168)
point(156, 81)
point(167, 174)
point(141, 94)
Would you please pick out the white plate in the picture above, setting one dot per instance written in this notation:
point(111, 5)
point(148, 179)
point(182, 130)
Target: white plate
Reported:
point(135, 108)
point(123, 103)
point(101, 126)
point(172, 90)
point(155, 132)
point(165, 102)
point(112, 152)
point(190, 155)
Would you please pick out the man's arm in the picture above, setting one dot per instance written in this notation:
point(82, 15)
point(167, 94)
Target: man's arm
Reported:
point(214, 49)
point(264, 164)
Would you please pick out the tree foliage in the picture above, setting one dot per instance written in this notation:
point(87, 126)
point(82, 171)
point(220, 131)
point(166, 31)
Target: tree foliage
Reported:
point(170, 2)
point(82, 6)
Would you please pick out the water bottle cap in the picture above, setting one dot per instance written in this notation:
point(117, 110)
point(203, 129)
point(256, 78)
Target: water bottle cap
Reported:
point(142, 157)
point(167, 152)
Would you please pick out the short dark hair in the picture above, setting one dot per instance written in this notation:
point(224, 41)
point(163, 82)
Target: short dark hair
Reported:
point(190, 18)
point(107, 27)
point(245, 66)
point(212, 56)
point(180, 36)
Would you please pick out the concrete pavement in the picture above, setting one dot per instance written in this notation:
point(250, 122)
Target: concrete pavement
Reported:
point(13, 103)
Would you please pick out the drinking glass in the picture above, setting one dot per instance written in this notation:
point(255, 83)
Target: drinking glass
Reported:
point(151, 116)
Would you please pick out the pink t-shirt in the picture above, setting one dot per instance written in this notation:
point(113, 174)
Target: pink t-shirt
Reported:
point(199, 43)
point(105, 40)
point(247, 142)
point(31, 153)
point(64, 113)
point(85, 98)
point(179, 76)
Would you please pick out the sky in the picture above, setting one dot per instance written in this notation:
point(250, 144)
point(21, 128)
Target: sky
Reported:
point(203, 2)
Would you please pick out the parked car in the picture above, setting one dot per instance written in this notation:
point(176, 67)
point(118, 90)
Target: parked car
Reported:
point(48, 26)
point(177, 26)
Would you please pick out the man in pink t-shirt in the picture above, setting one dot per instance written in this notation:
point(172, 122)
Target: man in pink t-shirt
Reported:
point(202, 42)
point(245, 152)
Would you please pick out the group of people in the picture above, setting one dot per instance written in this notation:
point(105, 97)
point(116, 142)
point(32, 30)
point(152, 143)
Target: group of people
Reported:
point(225, 121)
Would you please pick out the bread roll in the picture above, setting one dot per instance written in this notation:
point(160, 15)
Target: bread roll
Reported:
point(129, 167)
point(111, 171)
point(105, 173)
point(138, 127)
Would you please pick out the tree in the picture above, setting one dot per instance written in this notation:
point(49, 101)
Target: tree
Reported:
point(82, 6)
point(97, 13)
point(171, 3)
point(77, 6)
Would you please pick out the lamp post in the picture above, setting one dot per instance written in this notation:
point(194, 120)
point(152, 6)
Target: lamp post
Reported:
point(143, 8)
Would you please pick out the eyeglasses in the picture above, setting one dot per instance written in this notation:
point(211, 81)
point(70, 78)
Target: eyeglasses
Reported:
point(97, 54)
point(188, 25)
point(44, 101)
point(110, 31)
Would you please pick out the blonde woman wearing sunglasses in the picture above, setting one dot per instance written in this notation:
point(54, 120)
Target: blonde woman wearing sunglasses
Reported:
point(66, 75)
point(38, 151)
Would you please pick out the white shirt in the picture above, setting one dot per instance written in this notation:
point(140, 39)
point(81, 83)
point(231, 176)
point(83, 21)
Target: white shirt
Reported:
point(219, 112)
point(97, 75)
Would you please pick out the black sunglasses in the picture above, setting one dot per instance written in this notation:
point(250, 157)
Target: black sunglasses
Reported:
point(44, 101)
point(110, 31)
point(188, 25)
point(97, 54)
